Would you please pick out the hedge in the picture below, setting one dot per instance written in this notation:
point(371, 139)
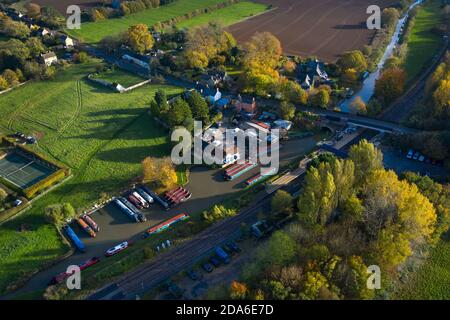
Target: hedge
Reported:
point(45, 183)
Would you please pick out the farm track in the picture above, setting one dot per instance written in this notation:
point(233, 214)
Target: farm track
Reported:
point(78, 109)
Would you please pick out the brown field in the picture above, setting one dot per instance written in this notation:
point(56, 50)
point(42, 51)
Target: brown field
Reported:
point(322, 28)
point(61, 5)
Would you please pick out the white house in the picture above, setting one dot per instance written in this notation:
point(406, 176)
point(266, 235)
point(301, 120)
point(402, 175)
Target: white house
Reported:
point(67, 41)
point(49, 58)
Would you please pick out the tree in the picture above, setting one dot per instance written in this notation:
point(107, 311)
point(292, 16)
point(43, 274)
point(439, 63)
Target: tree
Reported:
point(312, 284)
point(441, 98)
point(238, 290)
point(160, 172)
point(289, 66)
point(3, 84)
point(287, 110)
point(139, 38)
point(97, 15)
point(367, 158)
point(263, 50)
point(358, 106)
point(35, 46)
point(281, 203)
point(353, 60)
point(15, 29)
point(178, 112)
point(321, 98)
point(81, 57)
point(3, 195)
point(11, 77)
point(33, 10)
point(199, 107)
point(389, 17)
point(59, 213)
point(390, 85)
point(280, 250)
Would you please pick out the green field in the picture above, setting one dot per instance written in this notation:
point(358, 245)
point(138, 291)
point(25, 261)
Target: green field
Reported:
point(93, 32)
point(126, 79)
point(228, 16)
point(432, 280)
point(423, 44)
point(101, 135)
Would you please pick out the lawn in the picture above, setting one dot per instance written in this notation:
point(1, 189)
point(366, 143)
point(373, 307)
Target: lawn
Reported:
point(101, 135)
point(93, 32)
point(124, 78)
point(432, 280)
point(228, 16)
point(423, 44)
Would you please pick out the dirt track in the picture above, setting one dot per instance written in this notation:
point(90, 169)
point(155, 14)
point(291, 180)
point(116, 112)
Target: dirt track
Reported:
point(322, 28)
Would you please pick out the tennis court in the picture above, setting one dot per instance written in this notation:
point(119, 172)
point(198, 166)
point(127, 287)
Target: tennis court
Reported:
point(22, 171)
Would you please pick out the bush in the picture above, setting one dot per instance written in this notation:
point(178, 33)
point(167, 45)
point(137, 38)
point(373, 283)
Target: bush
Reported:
point(52, 179)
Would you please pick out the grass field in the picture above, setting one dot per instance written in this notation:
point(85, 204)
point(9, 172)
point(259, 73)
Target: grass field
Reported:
point(228, 16)
point(101, 135)
point(432, 280)
point(93, 32)
point(126, 79)
point(423, 44)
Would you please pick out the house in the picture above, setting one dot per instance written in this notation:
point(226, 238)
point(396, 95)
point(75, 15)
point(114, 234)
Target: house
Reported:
point(43, 32)
point(67, 41)
point(310, 73)
point(214, 78)
point(49, 58)
point(247, 108)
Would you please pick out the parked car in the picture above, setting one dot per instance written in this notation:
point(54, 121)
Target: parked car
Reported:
point(214, 261)
point(421, 158)
point(410, 154)
point(193, 275)
point(233, 246)
point(207, 267)
point(416, 156)
point(17, 202)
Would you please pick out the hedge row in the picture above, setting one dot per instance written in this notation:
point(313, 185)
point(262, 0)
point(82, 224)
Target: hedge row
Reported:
point(49, 181)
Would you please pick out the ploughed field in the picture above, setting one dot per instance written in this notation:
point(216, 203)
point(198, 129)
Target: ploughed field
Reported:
point(322, 28)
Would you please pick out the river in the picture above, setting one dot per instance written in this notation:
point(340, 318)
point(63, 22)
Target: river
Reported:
point(368, 88)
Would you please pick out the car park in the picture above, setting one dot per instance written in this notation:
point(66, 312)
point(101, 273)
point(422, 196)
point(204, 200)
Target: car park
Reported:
point(207, 267)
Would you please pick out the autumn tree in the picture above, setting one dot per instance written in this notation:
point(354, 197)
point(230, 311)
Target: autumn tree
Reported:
point(33, 10)
point(159, 172)
point(238, 290)
point(353, 60)
point(390, 85)
point(441, 98)
point(320, 98)
point(260, 58)
point(205, 43)
point(367, 158)
point(139, 38)
point(358, 106)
